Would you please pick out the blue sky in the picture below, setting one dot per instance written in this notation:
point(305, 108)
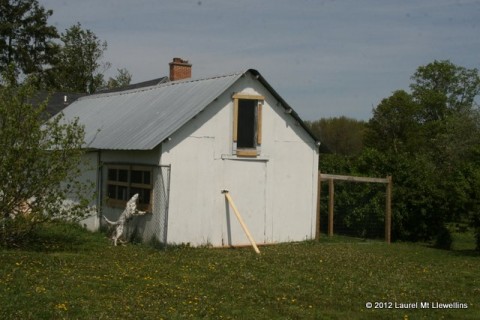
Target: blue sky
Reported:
point(325, 58)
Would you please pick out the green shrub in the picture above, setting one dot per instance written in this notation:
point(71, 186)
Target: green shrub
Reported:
point(444, 239)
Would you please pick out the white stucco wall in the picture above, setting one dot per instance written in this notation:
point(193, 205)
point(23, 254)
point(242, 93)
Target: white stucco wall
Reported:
point(94, 170)
point(145, 226)
point(89, 176)
point(275, 192)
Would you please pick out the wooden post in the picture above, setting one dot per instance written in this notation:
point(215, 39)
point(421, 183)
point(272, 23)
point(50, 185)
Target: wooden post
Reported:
point(388, 211)
point(319, 194)
point(331, 193)
point(388, 202)
point(239, 217)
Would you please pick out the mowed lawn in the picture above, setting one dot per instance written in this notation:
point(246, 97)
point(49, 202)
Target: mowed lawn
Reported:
point(79, 275)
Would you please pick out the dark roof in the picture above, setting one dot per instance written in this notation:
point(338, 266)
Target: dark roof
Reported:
point(57, 101)
point(147, 83)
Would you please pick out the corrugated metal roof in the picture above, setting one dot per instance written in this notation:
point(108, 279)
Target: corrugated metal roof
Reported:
point(141, 119)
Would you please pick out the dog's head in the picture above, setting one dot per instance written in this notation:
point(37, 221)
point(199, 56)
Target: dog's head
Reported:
point(134, 198)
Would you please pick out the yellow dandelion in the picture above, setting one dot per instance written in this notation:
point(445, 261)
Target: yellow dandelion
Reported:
point(61, 306)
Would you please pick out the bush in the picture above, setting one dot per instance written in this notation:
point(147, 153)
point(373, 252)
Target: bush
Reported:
point(39, 164)
point(444, 239)
point(476, 228)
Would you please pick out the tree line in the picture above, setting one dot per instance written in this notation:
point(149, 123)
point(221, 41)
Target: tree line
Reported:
point(41, 160)
point(428, 139)
point(70, 61)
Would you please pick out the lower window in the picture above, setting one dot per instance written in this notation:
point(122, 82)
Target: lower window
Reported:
point(123, 181)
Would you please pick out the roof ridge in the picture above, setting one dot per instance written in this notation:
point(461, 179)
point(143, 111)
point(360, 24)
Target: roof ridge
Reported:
point(157, 86)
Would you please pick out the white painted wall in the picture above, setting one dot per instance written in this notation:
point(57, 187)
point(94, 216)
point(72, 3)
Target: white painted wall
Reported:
point(146, 225)
point(88, 169)
point(275, 193)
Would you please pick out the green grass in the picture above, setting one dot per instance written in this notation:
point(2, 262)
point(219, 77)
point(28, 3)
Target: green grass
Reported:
point(73, 274)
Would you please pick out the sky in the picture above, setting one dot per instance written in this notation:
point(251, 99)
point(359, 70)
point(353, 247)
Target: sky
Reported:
point(327, 58)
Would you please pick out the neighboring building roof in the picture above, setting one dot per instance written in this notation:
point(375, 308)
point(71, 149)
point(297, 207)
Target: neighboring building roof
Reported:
point(140, 119)
point(57, 101)
point(143, 84)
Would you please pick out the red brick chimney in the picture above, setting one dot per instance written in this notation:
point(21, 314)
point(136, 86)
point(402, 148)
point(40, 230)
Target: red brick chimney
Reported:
point(180, 69)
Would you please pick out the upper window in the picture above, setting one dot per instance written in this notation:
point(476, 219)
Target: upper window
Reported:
point(124, 181)
point(247, 125)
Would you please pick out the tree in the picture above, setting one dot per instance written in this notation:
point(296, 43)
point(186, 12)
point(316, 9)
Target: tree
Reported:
point(38, 164)
point(121, 80)
point(434, 130)
point(26, 40)
point(429, 141)
point(80, 68)
point(394, 124)
point(340, 135)
point(443, 88)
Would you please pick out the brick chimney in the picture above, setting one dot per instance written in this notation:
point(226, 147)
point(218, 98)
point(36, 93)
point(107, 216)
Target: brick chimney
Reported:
point(180, 69)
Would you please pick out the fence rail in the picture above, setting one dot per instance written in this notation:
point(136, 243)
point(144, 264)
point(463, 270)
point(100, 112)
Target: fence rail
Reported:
point(331, 195)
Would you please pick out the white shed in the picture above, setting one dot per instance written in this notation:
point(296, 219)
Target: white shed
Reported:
point(180, 143)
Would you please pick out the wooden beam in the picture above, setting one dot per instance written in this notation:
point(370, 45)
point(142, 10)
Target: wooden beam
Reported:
point(240, 219)
point(248, 96)
point(259, 123)
point(235, 119)
point(327, 177)
point(247, 152)
point(388, 211)
point(319, 194)
point(331, 195)
point(331, 191)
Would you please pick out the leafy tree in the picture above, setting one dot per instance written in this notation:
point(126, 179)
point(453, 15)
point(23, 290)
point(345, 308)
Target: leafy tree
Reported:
point(395, 120)
point(38, 164)
point(339, 135)
point(443, 88)
point(80, 68)
point(26, 40)
point(360, 208)
point(121, 80)
point(429, 141)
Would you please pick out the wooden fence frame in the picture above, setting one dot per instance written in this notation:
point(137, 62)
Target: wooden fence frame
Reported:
point(331, 195)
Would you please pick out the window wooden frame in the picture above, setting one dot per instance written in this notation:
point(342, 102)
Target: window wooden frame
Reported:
point(247, 152)
point(120, 203)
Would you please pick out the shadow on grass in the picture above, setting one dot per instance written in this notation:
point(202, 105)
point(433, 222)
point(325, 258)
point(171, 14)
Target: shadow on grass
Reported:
point(466, 253)
point(453, 251)
point(338, 238)
point(59, 237)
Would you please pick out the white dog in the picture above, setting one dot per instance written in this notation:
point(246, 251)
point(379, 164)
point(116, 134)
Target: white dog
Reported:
point(127, 214)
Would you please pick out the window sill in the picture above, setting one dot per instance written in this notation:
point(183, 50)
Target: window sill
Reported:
point(240, 158)
point(251, 153)
point(120, 204)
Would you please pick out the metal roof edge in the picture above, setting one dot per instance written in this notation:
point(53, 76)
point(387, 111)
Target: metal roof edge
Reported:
point(216, 96)
point(156, 86)
point(286, 106)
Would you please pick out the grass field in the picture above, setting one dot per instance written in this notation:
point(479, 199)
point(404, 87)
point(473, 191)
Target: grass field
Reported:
point(73, 274)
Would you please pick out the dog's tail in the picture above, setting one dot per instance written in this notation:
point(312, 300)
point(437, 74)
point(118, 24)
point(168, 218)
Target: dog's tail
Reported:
point(110, 222)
